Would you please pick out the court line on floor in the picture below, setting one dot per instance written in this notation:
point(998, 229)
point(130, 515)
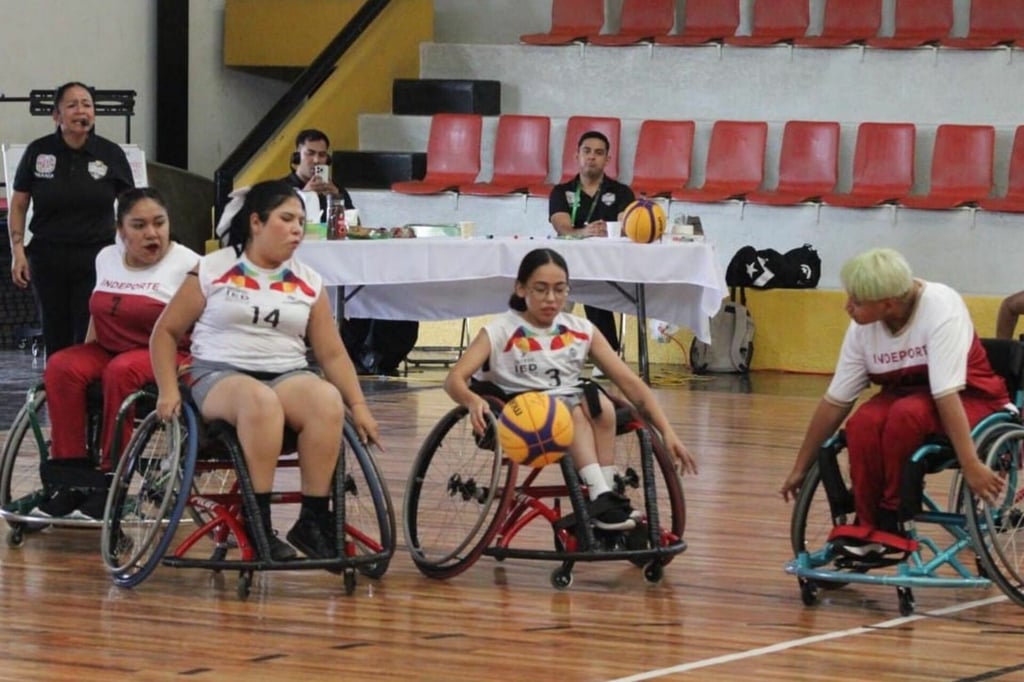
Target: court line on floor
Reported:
point(794, 643)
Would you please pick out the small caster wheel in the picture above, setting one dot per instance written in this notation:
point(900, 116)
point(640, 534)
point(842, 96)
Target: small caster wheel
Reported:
point(906, 597)
point(350, 582)
point(16, 536)
point(808, 592)
point(244, 586)
point(654, 572)
point(561, 579)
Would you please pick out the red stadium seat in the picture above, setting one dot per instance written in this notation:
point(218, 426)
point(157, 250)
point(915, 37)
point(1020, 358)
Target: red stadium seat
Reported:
point(846, 22)
point(642, 20)
point(808, 163)
point(993, 22)
point(1013, 200)
point(705, 21)
point(735, 163)
point(453, 155)
point(576, 126)
point(918, 22)
point(883, 166)
point(520, 156)
point(662, 161)
point(961, 168)
point(571, 20)
point(775, 21)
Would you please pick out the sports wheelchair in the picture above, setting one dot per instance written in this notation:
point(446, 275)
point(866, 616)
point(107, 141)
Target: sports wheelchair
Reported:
point(464, 499)
point(170, 468)
point(987, 535)
point(27, 448)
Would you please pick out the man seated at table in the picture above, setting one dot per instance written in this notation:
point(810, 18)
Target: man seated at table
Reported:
point(585, 205)
point(312, 149)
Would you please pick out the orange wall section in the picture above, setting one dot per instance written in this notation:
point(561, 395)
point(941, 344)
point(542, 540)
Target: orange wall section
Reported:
point(361, 83)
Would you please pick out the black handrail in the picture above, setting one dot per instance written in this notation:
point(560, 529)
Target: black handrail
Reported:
point(308, 82)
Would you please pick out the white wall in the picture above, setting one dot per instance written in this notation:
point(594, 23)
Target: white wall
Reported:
point(108, 44)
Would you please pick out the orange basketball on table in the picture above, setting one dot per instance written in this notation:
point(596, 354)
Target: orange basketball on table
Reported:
point(644, 221)
point(535, 429)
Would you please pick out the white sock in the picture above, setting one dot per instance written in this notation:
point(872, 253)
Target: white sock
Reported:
point(610, 472)
point(593, 476)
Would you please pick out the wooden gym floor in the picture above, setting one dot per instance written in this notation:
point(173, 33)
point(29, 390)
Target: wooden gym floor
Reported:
point(724, 611)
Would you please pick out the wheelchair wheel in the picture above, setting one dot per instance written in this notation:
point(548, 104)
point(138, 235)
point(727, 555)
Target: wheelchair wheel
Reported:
point(27, 444)
point(812, 521)
point(369, 514)
point(454, 494)
point(668, 489)
point(998, 529)
point(144, 504)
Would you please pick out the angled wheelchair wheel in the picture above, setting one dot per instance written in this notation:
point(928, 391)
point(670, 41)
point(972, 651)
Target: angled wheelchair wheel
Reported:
point(813, 520)
point(27, 444)
point(997, 528)
point(668, 489)
point(455, 493)
point(145, 504)
point(369, 513)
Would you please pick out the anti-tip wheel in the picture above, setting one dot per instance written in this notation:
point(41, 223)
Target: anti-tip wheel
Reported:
point(808, 592)
point(244, 586)
point(350, 582)
point(654, 572)
point(16, 536)
point(561, 579)
point(906, 597)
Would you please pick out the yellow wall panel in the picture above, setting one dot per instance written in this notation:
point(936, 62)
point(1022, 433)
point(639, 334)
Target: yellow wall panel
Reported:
point(275, 33)
point(388, 49)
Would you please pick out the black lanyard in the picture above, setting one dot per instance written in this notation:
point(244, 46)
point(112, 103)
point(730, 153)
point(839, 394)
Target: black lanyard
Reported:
point(576, 204)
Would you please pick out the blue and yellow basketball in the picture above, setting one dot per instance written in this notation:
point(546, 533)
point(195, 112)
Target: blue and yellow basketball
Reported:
point(644, 221)
point(535, 429)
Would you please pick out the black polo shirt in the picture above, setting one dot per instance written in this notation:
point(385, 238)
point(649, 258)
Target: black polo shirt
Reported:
point(611, 199)
point(298, 183)
point(73, 190)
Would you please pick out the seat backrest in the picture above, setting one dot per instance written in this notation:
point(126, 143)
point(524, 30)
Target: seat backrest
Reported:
point(714, 18)
point(576, 126)
point(578, 17)
point(521, 148)
point(1007, 359)
point(809, 159)
point(997, 19)
point(855, 18)
point(736, 153)
point(931, 19)
point(1015, 182)
point(781, 18)
point(962, 159)
point(454, 144)
point(647, 17)
point(884, 158)
point(663, 150)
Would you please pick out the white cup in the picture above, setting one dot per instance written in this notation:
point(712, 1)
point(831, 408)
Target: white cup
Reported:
point(352, 217)
point(613, 229)
point(683, 229)
point(466, 228)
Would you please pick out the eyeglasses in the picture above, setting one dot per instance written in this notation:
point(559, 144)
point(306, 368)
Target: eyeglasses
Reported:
point(540, 291)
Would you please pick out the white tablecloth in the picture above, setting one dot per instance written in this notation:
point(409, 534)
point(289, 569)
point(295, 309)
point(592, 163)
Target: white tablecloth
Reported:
point(445, 278)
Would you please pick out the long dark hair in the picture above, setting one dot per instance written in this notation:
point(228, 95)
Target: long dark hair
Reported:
point(261, 199)
point(528, 265)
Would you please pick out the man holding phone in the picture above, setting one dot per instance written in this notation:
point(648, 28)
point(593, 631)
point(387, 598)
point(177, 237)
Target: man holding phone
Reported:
point(311, 166)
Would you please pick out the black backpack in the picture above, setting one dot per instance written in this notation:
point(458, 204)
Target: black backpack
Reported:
point(798, 268)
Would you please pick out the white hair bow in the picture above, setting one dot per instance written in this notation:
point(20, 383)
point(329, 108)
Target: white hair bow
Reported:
point(237, 198)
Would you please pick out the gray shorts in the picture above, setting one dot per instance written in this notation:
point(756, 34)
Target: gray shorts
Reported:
point(205, 376)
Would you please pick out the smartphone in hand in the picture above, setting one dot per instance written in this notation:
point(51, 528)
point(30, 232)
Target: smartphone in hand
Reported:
point(322, 173)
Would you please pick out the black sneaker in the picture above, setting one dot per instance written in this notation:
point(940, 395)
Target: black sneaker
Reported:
point(613, 512)
point(62, 501)
point(281, 550)
point(312, 539)
point(92, 508)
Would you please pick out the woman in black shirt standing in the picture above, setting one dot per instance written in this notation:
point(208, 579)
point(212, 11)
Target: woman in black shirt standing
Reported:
point(71, 179)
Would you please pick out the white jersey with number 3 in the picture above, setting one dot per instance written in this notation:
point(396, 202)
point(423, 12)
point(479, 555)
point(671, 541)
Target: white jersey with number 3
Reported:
point(528, 358)
point(254, 318)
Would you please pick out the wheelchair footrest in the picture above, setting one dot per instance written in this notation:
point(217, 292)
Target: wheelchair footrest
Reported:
point(871, 545)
